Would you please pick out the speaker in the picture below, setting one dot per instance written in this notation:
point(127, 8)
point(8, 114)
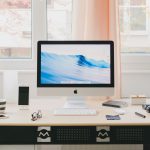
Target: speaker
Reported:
point(23, 98)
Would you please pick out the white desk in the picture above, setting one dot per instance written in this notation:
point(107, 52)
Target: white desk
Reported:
point(131, 129)
point(23, 117)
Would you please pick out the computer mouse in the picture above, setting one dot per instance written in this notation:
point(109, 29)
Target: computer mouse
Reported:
point(120, 111)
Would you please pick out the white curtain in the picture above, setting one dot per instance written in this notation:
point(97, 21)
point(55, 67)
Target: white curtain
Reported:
point(98, 20)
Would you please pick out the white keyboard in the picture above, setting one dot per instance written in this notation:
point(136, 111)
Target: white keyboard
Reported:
point(75, 112)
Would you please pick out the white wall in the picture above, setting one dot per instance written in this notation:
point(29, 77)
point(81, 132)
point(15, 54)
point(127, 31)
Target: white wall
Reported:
point(133, 82)
point(28, 78)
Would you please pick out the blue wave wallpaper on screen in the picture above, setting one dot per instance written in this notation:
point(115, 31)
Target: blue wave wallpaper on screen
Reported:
point(73, 69)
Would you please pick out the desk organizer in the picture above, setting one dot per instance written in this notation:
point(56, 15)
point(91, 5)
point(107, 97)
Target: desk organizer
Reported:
point(2, 106)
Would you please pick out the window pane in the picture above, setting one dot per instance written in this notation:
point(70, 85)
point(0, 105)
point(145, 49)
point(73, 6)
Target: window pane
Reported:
point(124, 2)
point(138, 19)
point(15, 28)
point(59, 13)
point(134, 26)
point(138, 2)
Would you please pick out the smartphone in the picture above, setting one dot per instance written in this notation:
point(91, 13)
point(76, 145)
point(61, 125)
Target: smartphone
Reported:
point(23, 98)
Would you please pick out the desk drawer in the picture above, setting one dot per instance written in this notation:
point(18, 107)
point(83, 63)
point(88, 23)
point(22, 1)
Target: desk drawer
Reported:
point(73, 135)
point(128, 134)
point(17, 135)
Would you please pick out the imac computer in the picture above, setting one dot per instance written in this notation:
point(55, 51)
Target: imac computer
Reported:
point(75, 69)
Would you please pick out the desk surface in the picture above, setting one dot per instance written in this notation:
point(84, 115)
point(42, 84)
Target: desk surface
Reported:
point(19, 117)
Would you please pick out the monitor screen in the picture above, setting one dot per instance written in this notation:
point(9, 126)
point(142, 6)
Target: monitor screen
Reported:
point(75, 63)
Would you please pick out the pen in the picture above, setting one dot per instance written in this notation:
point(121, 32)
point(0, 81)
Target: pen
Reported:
point(141, 115)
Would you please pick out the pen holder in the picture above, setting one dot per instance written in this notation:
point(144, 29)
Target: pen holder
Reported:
point(138, 99)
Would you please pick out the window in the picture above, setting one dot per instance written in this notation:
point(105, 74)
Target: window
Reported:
point(59, 20)
point(20, 30)
point(133, 16)
point(135, 26)
point(15, 29)
point(15, 25)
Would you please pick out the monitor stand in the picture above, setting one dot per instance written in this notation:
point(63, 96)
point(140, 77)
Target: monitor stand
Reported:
point(75, 102)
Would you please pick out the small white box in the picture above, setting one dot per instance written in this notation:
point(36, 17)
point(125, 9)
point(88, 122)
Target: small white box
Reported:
point(138, 99)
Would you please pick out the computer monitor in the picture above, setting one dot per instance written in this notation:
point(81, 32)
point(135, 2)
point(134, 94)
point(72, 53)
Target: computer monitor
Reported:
point(75, 69)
